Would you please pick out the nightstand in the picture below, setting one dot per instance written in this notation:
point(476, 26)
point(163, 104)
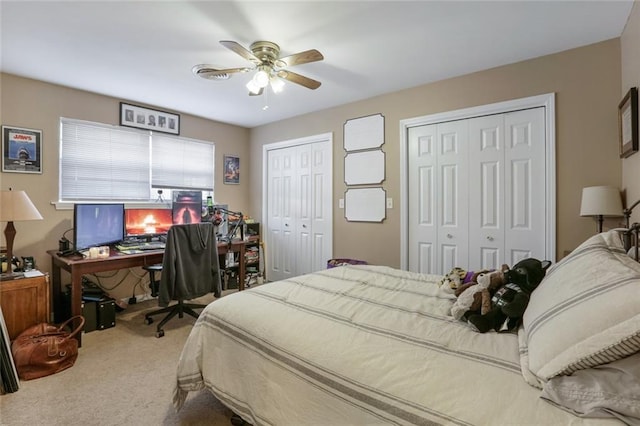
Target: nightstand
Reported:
point(25, 302)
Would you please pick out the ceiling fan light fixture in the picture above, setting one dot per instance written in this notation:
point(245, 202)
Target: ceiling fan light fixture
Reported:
point(261, 78)
point(277, 84)
point(253, 87)
point(267, 64)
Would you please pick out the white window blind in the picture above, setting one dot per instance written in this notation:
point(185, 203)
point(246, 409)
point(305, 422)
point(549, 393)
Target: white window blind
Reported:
point(102, 162)
point(181, 163)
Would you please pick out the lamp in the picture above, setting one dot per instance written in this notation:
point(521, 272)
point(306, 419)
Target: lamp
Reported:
point(217, 218)
point(15, 206)
point(601, 201)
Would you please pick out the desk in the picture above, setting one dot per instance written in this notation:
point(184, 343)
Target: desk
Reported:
point(78, 266)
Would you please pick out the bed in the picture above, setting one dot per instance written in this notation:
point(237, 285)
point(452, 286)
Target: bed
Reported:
point(370, 344)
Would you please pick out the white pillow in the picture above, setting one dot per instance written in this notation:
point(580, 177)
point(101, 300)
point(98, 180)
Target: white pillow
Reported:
point(586, 311)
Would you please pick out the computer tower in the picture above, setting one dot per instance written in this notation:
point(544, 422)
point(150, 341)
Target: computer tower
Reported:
point(89, 313)
point(98, 314)
point(106, 313)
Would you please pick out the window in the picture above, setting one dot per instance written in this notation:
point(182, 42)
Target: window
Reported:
point(100, 162)
point(177, 163)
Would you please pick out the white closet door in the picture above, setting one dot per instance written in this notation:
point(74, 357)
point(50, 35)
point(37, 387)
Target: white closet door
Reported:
point(486, 192)
point(281, 214)
point(321, 209)
point(304, 204)
point(422, 199)
point(452, 198)
point(477, 191)
point(525, 177)
point(299, 210)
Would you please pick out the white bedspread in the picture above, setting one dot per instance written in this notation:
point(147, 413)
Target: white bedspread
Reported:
point(358, 345)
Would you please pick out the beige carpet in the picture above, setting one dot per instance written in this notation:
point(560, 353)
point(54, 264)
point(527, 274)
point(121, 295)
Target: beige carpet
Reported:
point(123, 376)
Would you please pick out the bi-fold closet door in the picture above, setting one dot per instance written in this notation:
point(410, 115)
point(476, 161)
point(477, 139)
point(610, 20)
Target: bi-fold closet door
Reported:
point(477, 192)
point(299, 220)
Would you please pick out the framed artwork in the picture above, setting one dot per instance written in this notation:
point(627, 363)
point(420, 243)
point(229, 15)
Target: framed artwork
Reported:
point(231, 169)
point(21, 150)
point(364, 133)
point(628, 123)
point(149, 119)
point(364, 167)
point(365, 205)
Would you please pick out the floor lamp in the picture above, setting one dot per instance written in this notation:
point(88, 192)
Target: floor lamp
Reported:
point(601, 201)
point(15, 206)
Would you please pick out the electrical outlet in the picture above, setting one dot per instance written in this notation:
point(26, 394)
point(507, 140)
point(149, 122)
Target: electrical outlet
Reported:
point(389, 203)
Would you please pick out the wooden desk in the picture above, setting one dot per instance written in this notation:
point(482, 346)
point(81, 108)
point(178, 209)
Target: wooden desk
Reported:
point(78, 266)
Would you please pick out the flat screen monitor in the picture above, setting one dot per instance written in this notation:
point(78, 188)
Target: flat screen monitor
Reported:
point(147, 222)
point(97, 225)
point(187, 207)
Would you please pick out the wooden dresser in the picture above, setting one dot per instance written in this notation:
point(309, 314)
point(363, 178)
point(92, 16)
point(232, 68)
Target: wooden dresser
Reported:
point(25, 302)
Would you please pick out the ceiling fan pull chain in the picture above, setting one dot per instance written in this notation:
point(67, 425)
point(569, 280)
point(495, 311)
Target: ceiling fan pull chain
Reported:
point(266, 100)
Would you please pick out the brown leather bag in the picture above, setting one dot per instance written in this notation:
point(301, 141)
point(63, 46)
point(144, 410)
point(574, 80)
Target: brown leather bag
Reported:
point(45, 349)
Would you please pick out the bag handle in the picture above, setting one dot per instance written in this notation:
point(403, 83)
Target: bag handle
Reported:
point(74, 332)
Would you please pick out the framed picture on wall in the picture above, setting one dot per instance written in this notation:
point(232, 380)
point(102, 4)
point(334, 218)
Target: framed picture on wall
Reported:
point(149, 119)
point(628, 123)
point(21, 150)
point(231, 169)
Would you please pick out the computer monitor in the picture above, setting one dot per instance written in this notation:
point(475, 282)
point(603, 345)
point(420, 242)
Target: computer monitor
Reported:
point(97, 225)
point(147, 222)
point(187, 207)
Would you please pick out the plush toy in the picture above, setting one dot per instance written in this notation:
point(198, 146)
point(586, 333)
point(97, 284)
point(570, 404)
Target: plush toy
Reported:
point(475, 297)
point(458, 277)
point(510, 301)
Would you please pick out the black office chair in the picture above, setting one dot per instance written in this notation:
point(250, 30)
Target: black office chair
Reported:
point(190, 269)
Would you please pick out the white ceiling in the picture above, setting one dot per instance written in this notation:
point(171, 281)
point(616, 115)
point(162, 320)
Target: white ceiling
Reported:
point(143, 52)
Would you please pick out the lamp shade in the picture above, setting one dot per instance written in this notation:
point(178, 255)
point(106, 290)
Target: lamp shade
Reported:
point(601, 201)
point(16, 206)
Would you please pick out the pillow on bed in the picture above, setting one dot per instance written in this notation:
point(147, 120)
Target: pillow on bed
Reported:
point(609, 390)
point(586, 311)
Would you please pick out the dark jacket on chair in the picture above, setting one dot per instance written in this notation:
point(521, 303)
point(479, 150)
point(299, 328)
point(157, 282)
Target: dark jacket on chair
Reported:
point(190, 267)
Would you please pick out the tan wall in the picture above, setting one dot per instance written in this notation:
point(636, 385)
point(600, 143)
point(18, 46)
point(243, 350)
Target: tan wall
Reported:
point(587, 86)
point(631, 78)
point(37, 105)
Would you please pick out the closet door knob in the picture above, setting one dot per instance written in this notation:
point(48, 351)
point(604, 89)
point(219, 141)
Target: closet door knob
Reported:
point(304, 226)
point(489, 237)
point(449, 236)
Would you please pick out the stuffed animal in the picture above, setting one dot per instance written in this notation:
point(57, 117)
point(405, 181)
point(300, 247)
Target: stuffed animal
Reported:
point(458, 277)
point(510, 301)
point(475, 297)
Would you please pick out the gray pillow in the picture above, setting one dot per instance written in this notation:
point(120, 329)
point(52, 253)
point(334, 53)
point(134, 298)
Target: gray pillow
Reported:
point(609, 390)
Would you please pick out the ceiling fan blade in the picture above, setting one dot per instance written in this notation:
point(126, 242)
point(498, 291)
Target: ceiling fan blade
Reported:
point(300, 58)
point(240, 50)
point(299, 79)
point(257, 94)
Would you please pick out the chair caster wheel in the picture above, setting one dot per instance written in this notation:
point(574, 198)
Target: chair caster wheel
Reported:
point(159, 333)
point(148, 321)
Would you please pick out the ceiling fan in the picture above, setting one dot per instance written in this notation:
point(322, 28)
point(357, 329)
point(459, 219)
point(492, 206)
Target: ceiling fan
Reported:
point(271, 68)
